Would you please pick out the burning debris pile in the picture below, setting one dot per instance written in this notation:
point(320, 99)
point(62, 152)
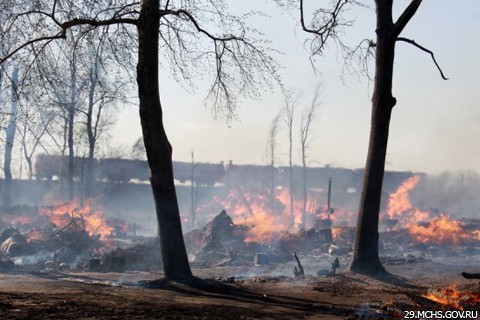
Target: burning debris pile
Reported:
point(222, 242)
point(428, 227)
point(63, 244)
point(429, 233)
point(65, 236)
point(255, 227)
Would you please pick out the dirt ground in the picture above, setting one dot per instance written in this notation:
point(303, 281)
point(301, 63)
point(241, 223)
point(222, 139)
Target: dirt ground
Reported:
point(86, 295)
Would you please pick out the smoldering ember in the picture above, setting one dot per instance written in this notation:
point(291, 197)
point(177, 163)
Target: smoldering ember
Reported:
point(242, 236)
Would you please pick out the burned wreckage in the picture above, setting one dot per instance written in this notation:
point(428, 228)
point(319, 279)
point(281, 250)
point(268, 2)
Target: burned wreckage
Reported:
point(74, 236)
point(252, 243)
point(39, 244)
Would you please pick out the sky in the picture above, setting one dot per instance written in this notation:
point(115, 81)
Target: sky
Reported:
point(435, 125)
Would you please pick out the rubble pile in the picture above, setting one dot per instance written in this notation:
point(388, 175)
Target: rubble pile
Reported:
point(222, 242)
point(37, 245)
point(61, 244)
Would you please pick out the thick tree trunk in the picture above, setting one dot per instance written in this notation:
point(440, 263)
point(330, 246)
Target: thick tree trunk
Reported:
point(365, 254)
point(9, 140)
point(159, 150)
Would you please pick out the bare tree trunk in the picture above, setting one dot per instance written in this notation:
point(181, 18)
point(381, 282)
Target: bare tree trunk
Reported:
point(89, 179)
point(26, 155)
point(272, 143)
point(290, 166)
point(365, 254)
point(193, 200)
point(289, 109)
point(71, 118)
point(305, 194)
point(158, 148)
point(10, 139)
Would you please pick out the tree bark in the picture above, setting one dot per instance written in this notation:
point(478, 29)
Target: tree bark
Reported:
point(365, 254)
point(158, 148)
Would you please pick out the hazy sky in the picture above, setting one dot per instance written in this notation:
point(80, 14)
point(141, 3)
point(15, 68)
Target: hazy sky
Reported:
point(435, 124)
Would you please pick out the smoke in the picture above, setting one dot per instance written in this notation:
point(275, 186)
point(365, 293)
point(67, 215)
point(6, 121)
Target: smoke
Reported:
point(34, 259)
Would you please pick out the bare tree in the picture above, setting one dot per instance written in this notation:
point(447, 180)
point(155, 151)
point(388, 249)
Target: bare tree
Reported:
point(271, 152)
point(308, 116)
point(239, 64)
point(58, 67)
point(289, 114)
point(327, 25)
point(193, 192)
point(102, 92)
point(34, 120)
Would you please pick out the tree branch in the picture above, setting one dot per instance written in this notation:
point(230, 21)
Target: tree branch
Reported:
point(405, 17)
point(97, 23)
point(60, 35)
point(67, 25)
point(192, 19)
point(329, 24)
point(412, 42)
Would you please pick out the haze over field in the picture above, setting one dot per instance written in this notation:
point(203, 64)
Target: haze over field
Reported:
point(435, 124)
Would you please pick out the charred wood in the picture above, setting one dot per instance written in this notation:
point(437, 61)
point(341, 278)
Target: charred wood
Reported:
point(298, 272)
point(467, 275)
point(335, 265)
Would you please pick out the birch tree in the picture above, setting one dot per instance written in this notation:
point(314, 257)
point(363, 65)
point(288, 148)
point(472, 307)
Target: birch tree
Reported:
point(306, 121)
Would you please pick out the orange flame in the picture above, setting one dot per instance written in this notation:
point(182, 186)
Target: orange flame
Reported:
point(264, 216)
point(476, 234)
point(124, 228)
point(34, 234)
point(400, 207)
point(18, 221)
point(399, 202)
point(452, 297)
point(439, 230)
point(94, 220)
point(425, 226)
point(269, 217)
point(339, 217)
